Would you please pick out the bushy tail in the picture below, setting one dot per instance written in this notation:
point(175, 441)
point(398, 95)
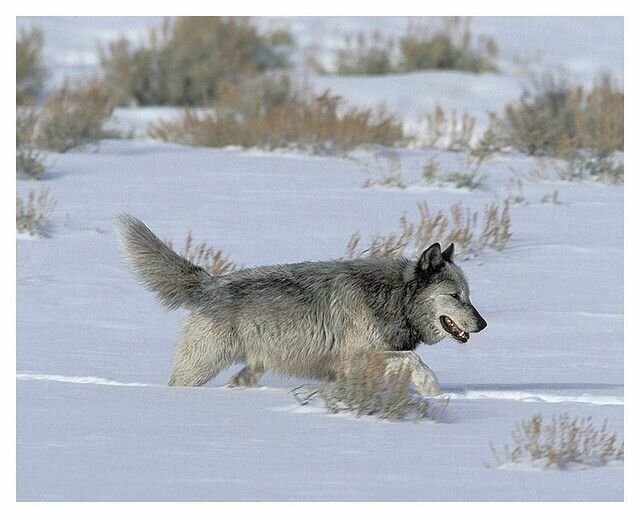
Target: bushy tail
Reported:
point(176, 281)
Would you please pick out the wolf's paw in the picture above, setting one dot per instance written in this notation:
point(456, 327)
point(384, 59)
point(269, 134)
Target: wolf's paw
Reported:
point(429, 388)
point(238, 381)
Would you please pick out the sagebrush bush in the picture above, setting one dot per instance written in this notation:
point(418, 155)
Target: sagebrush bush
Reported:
point(32, 213)
point(213, 261)
point(471, 180)
point(450, 133)
point(553, 118)
point(430, 171)
point(30, 161)
point(466, 174)
point(364, 385)
point(321, 125)
point(583, 164)
point(423, 47)
point(362, 54)
point(448, 48)
point(256, 96)
point(385, 170)
point(30, 70)
point(75, 115)
point(470, 233)
point(561, 442)
point(184, 61)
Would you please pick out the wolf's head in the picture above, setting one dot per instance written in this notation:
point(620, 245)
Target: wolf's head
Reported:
point(440, 306)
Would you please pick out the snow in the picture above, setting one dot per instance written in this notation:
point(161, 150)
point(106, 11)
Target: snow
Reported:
point(96, 421)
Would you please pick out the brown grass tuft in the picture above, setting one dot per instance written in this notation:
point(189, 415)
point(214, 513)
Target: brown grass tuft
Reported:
point(364, 54)
point(423, 47)
point(384, 171)
point(184, 60)
point(213, 261)
point(75, 115)
point(321, 125)
point(563, 443)
point(449, 48)
point(32, 214)
point(30, 70)
point(461, 226)
point(553, 118)
point(449, 133)
point(29, 159)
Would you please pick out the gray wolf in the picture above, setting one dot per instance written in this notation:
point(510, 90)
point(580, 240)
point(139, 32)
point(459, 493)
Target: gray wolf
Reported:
point(298, 319)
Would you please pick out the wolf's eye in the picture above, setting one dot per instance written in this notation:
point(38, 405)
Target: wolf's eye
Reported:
point(455, 296)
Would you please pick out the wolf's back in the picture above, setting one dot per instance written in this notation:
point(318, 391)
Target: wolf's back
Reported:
point(176, 281)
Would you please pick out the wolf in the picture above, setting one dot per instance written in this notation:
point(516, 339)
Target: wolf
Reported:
point(301, 319)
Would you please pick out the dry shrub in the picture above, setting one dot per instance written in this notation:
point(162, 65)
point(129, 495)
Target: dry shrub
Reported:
point(321, 125)
point(448, 48)
point(256, 96)
point(213, 261)
point(30, 71)
point(29, 159)
point(199, 129)
point(582, 164)
point(75, 115)
point(553, 118)
point(552, 198)
point(466, 178)
point(32, 214)
point(496, 231)
point(391, 181)
point(462, 227)
point(423, 47)
point(384, 171)
point(490, 141)
point(606, 168)
point(365, 386)
point(515, 191)
point(564, 442)
point(184, 60)
point(430, 171)
point(365, 55)
point(466, 174)
point(450, 133)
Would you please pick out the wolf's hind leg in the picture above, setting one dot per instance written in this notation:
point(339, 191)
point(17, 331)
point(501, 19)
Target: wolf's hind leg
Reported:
point(194, 373)
point(193, 369)
point(422, 376)
point(201, 354)
point(247, 377)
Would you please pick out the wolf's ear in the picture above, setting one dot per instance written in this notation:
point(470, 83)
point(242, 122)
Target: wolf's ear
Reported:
point(447, 255)
point(431, 258)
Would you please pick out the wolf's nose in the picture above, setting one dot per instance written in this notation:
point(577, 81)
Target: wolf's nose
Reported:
point(482, 323)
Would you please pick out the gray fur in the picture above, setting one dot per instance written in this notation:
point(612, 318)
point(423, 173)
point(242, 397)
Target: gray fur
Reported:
point(300, 319)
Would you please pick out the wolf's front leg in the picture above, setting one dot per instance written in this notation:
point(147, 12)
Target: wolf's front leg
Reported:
point(422, 376)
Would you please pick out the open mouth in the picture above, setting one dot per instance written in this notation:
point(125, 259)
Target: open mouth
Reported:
point(452, 328)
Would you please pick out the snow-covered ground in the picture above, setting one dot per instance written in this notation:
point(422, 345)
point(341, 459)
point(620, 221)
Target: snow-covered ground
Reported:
point(96, 421)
